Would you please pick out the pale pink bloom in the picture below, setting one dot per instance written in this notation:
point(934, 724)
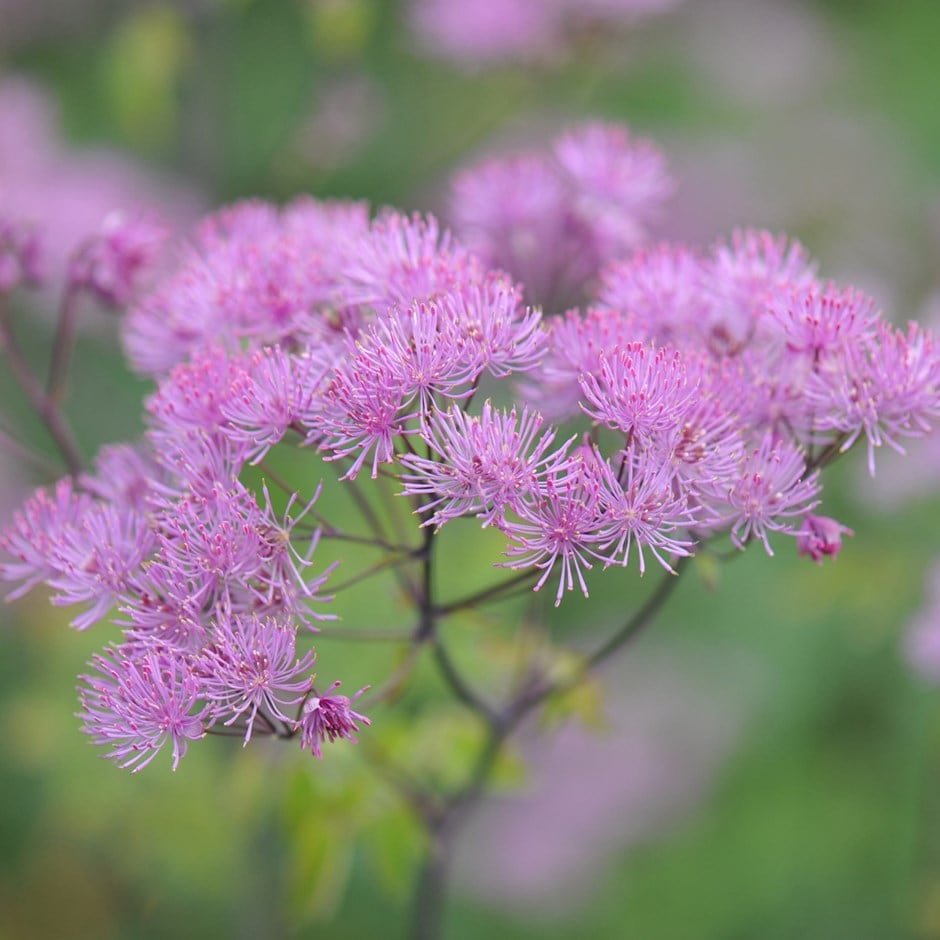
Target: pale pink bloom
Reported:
point(250, 669)
point(138, 701)
point(773, 489)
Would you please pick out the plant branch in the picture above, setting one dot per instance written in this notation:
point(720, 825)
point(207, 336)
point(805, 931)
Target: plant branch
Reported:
point(456, 682)
point(63, 345)
point(44, 406)
point(486, 594)
point(394, 563)
point(430, 888)
point(364, 635)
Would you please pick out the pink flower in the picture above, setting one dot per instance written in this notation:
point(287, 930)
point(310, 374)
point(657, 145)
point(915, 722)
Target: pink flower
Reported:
point(554, 219)
point(36, 532)
point(96, 558)
point(402, 260)
point(821, 536)
point(564, 525)
point(773, 488)
point(886, 387)
point(640, 390)
point(820, 322)
point(664, 289)
point(112, 263)
point(483, 465)
point(485, 30)
point(250, 670)
point(138, 702)
point(329, 717)
point(642, 506)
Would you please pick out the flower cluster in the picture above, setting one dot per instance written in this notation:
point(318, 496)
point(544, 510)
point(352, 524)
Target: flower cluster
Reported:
point(555, 218)
point(704, 394)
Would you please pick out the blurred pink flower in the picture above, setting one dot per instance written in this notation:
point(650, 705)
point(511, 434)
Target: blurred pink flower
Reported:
point(66, 193)
point(486, 31)
point(652, 763)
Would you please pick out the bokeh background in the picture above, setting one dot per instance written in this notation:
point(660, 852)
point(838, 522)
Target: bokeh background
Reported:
point(764, 763)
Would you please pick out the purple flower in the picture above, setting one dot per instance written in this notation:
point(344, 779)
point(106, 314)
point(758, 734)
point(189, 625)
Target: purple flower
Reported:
point(513, 213)
point(328, 717)
point(67, 192)
point(214, 540)
point(250, 668)
point(640, 390)
point(491, 329)
point(95, 558)
point(125, 474)
point(642, 506)
point(195, 462)
point(403, 260)
point(490, 31)
point(362, 412)
point(664, 290)
point(618, 183)
point(482, 465)
point(281, 574)
point(745, 277)
point(817, 323)
point(821, 536)
point(705, 446)
point(168, 325)
point(36, 532)
point(563, 526)
point(112, 263)
point(255, 276)
point(137, 702)
point(275, 392)
point(576, 343)
point(161, 607)
point(885, 388)
point(555, 219)
point(773, 488)
point(486, 30)
point(423, 354)
point(195, 395)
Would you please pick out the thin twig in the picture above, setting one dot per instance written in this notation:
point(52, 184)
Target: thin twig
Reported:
point(380, 566)
point(486, 594)
point(457, 684)
point(9, 441)
point(63, 345)
point(364, 635)
point(368, 541)
point(391, 688)
point(421, 799)
point(45, 407)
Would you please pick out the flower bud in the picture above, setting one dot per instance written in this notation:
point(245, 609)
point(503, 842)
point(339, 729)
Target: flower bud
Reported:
point(821, 535)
